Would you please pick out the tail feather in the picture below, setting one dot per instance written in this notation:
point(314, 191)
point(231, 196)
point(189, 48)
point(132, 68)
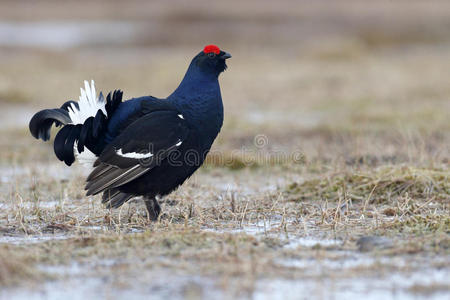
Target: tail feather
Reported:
point(60, 141)
point(114, 102)
point(84, 135)
point(42, 122)
point(97, 125)
point(84, 123)
point(69, 156)
point(67, 104)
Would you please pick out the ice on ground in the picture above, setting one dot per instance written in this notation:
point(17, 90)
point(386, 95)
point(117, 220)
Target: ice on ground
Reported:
point(272, 228)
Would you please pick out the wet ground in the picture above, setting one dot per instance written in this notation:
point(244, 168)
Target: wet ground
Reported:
point(303, 259)
point(329, 180)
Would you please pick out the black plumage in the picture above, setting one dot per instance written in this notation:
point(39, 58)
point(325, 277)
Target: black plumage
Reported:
point(144, 146)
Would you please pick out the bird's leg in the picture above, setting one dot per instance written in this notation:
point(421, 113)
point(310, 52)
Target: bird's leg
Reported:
point(153, 208)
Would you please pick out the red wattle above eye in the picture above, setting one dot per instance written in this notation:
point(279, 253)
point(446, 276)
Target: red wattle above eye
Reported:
point(211, 48)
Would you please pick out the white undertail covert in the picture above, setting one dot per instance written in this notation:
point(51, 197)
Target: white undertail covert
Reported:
point(86, 157)
point(88, 105)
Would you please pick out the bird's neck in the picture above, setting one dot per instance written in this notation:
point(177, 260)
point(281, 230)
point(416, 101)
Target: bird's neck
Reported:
point(198, 92)
point(195, 82)
point(198, 97)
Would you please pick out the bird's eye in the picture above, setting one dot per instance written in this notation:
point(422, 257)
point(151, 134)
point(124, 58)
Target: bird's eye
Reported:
point(211, 54)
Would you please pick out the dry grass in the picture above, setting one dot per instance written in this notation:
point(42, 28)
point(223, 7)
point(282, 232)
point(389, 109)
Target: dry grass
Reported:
point(331, 170)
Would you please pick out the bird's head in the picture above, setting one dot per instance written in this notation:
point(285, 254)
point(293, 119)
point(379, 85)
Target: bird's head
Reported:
point(211, 60)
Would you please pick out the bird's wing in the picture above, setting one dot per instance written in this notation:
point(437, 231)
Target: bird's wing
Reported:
point(139, 148)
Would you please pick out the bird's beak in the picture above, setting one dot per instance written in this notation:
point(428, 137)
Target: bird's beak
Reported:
point(225, 55)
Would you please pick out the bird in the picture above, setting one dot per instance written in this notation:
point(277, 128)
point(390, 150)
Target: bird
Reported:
point(144, 146)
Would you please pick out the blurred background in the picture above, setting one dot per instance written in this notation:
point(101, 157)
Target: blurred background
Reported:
point(359, 91)
point(360, 78)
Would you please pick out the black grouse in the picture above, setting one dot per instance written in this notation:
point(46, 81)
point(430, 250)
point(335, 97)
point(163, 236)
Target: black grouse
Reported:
point(144, 146)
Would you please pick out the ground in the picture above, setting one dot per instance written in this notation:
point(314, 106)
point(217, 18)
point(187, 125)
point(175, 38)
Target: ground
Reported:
point(329, 180)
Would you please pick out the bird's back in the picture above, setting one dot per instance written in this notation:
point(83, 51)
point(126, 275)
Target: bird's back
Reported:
point(127, 112)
